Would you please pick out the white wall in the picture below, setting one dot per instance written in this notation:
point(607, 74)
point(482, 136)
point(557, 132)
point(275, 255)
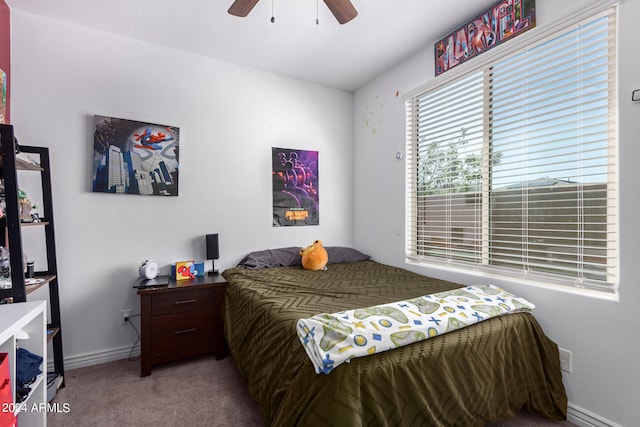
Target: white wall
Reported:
point(229, 118)
point(605, 383)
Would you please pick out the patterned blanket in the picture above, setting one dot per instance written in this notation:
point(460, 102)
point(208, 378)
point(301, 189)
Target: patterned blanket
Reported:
point(332, 339)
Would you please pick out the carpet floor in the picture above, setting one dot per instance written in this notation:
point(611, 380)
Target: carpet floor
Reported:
point(198, 392)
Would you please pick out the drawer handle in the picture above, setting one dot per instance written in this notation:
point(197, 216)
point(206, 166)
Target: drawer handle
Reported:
point(185, 331)
point(186, 301)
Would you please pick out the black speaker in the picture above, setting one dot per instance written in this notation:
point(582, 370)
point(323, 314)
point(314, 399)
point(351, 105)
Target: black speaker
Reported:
point(213, 250)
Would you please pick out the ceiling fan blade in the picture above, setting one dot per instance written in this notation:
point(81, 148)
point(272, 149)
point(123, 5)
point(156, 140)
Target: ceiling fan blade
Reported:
point(242, 7)
point(343, 10)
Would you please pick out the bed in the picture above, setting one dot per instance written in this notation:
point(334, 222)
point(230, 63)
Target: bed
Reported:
point(480, 373)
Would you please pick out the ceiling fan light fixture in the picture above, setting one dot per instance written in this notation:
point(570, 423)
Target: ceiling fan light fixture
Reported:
point(343, 10)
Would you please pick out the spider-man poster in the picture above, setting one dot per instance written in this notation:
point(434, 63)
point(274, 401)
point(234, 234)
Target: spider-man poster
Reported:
point(131, 157)
point(295, 187)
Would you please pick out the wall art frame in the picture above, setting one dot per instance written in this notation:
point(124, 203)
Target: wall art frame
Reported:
point(134, 157)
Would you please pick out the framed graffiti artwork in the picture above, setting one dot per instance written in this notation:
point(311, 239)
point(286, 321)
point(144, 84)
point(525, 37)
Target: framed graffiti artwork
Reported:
point(501, 22)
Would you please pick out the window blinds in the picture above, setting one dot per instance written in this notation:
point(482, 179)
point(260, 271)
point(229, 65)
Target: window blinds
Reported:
point(512, 167)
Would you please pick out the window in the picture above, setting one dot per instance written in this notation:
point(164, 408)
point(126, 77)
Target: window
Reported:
point(512, 166)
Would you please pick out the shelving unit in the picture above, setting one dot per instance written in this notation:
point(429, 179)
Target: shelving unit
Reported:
point(12, 225)
point(15, 321)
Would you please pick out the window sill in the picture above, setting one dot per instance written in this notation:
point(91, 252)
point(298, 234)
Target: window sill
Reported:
point(470, 276)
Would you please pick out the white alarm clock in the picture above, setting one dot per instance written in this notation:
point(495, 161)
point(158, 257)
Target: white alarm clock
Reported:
point(148, 269)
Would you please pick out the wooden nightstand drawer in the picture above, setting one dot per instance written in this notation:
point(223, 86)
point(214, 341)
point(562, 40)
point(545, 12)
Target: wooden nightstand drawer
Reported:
point(181, 335)
point(181, 320)
point(182, 301)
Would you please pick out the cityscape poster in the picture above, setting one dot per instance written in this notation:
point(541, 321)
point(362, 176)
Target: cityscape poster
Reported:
point(132, 157)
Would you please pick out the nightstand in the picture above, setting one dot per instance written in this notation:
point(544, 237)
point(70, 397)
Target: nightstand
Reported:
point(181, 320)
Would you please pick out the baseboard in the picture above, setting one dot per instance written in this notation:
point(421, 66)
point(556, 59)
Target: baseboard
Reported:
point(97, 358)
point(584, 418)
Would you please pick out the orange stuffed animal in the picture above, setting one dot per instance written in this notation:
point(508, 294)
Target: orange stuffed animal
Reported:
point(314, 257)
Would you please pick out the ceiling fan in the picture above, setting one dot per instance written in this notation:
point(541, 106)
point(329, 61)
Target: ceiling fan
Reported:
point(343, 10)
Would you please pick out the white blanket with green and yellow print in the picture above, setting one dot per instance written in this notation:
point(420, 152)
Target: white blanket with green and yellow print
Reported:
point(332, 339)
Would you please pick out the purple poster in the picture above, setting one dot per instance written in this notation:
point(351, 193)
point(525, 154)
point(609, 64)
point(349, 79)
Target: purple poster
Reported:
point(295, 187)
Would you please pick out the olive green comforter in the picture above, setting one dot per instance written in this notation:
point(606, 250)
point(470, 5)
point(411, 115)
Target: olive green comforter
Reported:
point(480, 373)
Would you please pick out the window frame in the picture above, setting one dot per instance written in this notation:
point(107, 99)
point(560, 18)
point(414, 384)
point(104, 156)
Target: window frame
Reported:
point(516, 46)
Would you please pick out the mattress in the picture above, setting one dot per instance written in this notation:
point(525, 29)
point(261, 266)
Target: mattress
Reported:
point(480, 373)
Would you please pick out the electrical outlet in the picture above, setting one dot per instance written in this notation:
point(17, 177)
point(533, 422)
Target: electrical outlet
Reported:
point(126, 315)
point(565, 360)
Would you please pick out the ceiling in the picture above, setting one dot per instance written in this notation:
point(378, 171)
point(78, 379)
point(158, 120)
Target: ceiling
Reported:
point(346, 57)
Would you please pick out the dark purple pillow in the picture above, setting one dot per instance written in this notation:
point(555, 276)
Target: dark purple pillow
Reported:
point(282, 257)
point(287, 257)
point(339, 254)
